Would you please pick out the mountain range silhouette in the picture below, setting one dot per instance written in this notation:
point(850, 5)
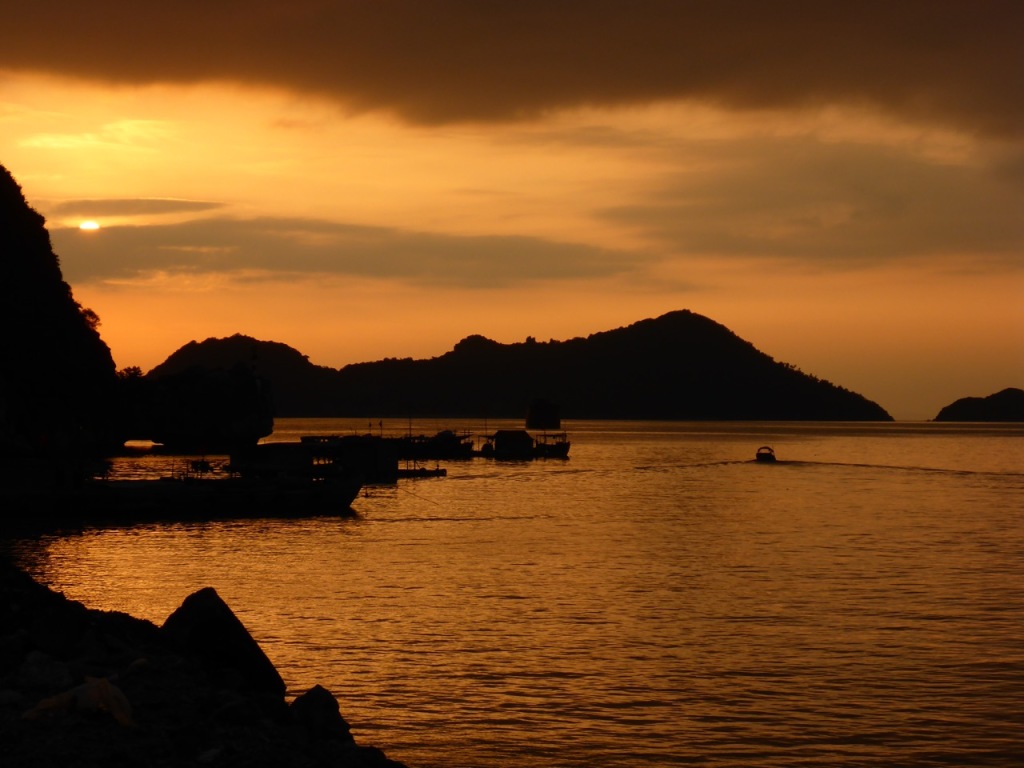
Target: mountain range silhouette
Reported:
point(679, 366)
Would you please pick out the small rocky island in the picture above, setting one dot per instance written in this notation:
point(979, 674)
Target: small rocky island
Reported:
point(1006, 405)
point(81, 687)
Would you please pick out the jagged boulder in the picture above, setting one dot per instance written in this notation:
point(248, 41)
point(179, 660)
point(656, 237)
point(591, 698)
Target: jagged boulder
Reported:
point(204, 626)
point(318, 711)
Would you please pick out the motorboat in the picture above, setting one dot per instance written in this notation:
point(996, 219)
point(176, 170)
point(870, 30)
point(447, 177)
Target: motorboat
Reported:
point(765, 453)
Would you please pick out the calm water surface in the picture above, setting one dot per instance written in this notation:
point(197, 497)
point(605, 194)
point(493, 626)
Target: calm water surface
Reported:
point(658, 599)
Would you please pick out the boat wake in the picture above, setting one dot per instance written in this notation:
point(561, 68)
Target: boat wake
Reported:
point(896, 468)
point(797, 463)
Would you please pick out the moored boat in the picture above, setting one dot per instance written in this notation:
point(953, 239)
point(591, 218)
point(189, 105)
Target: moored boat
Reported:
point(551, 445)
point(518, 444)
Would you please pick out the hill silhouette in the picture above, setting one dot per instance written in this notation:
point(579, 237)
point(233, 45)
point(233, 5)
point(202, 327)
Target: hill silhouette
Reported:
point(297, 387)
point(680, 366)
point(1007, 405)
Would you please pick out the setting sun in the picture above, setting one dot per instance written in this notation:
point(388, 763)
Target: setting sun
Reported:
point(90, 225)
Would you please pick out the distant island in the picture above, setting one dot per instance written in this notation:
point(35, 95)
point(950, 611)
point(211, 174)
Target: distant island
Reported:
point(679, 366)
point(1007, 405)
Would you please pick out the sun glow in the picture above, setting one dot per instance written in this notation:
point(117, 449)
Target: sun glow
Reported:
point(89, 225)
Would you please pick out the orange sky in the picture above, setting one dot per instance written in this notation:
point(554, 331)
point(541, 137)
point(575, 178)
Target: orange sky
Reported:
point(839, 183)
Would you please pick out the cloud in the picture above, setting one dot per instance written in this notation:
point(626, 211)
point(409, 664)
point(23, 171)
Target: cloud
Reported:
point(833, 206)
point(275, 248)
point(130, 207)
point(436, 61)
point(134, 135)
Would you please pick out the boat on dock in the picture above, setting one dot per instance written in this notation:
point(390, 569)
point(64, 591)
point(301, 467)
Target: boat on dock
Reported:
point(520, 445)
point(445, 445)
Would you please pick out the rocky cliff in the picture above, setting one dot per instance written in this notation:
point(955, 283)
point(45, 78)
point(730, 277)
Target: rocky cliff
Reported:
point(57, 377)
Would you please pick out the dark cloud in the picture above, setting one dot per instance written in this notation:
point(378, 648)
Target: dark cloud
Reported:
point(448, 60)
point(834, 205)
point(130, 207)
point(278, 247)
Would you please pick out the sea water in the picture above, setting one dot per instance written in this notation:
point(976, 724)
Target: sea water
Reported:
point(658, 599)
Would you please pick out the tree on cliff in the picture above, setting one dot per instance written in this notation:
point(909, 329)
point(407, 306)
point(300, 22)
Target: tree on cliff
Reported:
point(57, 376)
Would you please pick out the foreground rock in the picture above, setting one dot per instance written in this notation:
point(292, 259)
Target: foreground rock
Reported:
point(80, 687)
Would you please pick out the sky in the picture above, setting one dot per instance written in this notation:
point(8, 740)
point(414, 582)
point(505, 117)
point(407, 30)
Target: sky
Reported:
point(840, 184)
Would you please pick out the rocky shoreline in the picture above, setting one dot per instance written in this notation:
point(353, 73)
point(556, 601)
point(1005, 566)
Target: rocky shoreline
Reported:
point(81, 687)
